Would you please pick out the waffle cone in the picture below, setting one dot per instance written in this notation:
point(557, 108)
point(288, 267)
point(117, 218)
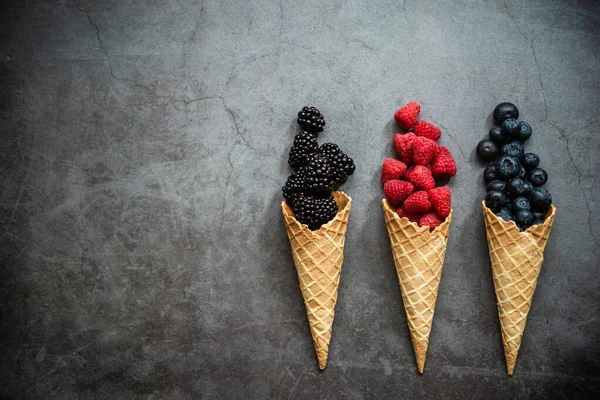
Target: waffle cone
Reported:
point(419, 257)
point(516, 259)
point(318, 256)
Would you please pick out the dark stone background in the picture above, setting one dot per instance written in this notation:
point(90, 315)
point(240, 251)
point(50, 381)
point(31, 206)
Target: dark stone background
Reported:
point(143, 147)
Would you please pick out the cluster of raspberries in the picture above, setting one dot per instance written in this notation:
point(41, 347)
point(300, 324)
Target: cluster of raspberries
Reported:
point(318, 170)
point(409, 183)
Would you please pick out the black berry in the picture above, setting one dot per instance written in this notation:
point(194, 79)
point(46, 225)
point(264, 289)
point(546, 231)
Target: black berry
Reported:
point(508, 167)
point(305, 144)
point(538, 217)
point(294, 186)
point(526, 131)
point(319, 176)
point(505, 214)
point(530, 160)
point(521, 203)
point(487, 150)
point(528, 187)
point(514, 148)
point(315, 211)
point(504, 111)
point(511, 128)
point(496, 135)
point(310, 119)
point(490, 173)
point(495, 200)
point(540, 199)
point(524, 219)
point(516, 187)
point(498, 185)
point(538, 176)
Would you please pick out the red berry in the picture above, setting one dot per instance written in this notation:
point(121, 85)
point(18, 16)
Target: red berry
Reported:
point(425, 129)
point(423, 150)
point(421, 177)
point(443, 163)
point(440, 198)
point(432, 220)
point(396, 191)
point(407, 115)
point(412, 217)
point(392, 169)
point(403, 144)
point(418, 202)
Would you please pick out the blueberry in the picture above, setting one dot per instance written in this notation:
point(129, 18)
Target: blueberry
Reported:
point(530, 160)
point(508, 167)
point(524, 218)
point(495, 200)
point(521, 203)
point(540, 199)
point(528, 187)
point(504, 111)
point(538, 176)
point(514, 148)
point(522, 172)
point(498, 185)
point(487, 150)
point(538, 217)
point(505, 214)
point(511, 128)
point(490, 173)
point(526, 131)
point(496, 135)
point(516, 187)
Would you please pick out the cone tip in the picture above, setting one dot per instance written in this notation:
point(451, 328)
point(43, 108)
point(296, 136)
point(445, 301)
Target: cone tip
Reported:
point(420, 355)
point(322, 354)
point(510, 368)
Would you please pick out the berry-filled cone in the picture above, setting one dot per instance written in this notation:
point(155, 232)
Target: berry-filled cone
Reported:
point(318, 256)
point(516, 259)
point(418, 256)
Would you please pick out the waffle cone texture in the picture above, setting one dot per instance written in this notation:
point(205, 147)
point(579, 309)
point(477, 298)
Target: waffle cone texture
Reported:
point(516, 259)
point(419, 256)
point(318, 256)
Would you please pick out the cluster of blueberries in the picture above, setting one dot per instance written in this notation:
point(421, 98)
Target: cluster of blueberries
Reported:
point(514, 179)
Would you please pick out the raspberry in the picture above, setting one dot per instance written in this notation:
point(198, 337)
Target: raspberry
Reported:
point(392, 169)
point(425, 129)
point(432, 220)
point(407, 115)
point(440, 198)
point(423, 150)
point(421, 177)
point(403, 144)
point(396, 191)
point(418, 202)
point(412, 217)
point(443, 163)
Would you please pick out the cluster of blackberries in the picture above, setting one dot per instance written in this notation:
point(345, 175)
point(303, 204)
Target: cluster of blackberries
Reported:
point(317, 172)
point(513, 177)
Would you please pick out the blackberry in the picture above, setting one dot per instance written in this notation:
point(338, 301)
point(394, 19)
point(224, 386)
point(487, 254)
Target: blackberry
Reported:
point(293, 188)
point(319, 177)
point(315, 211)
point(310, 119)
point(305, 144)
point(342, 165)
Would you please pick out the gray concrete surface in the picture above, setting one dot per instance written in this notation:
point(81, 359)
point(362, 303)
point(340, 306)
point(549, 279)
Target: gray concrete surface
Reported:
point(143, 147)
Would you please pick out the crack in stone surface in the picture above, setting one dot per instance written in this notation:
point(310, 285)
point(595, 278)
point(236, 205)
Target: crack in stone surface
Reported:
point(587, 204)
point(537, 64)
